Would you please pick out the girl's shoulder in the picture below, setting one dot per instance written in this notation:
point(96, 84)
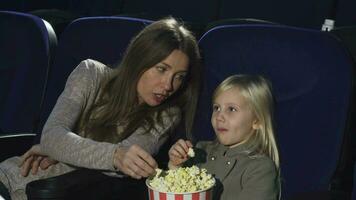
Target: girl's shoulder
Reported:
point(207, 145)
point(260, 162)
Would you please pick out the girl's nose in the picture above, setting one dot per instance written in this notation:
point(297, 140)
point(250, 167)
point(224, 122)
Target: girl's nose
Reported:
point(220, 116)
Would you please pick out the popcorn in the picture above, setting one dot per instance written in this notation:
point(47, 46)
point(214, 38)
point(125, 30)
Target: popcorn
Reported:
point(191, 152)
point(183, 179)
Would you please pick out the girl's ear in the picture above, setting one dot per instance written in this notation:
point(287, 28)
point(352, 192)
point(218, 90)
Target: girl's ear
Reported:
point(256, 124)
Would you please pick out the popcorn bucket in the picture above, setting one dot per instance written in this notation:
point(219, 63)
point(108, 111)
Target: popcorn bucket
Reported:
point(154, 194)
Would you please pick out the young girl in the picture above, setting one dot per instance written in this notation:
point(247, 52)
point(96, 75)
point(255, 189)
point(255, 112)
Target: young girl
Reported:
point(244, 158)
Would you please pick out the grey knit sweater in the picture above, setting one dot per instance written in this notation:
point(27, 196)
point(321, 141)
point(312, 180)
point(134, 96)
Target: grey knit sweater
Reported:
point(72, 149)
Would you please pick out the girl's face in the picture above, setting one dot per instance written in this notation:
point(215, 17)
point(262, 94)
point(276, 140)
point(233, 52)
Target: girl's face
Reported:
point(232, 118)
point(162, 80)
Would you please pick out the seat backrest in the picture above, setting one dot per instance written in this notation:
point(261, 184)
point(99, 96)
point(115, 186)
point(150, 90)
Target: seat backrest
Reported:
point(100, 38)
point(297, 13)
point(26, 44)
point(312, 81)
point(347, 36)
point(189, 11)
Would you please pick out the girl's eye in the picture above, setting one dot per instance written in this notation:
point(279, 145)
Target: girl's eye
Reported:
point(216, 108)
point(232, 109)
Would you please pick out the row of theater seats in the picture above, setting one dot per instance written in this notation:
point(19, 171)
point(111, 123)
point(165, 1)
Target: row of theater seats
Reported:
point(302, 13)
point(312, 74)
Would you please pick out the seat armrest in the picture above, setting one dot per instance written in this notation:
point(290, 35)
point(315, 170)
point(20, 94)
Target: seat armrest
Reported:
point(15, 144)
point(86, 184)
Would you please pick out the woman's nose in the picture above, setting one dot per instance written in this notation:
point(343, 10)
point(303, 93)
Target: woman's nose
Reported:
point(167, 83)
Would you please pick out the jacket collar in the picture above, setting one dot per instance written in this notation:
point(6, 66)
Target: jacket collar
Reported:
point(222, 150)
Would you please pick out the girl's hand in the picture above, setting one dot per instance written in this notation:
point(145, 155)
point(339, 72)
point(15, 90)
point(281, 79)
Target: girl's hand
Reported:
point(178, 153)
point(33, 159)
point(134, 162)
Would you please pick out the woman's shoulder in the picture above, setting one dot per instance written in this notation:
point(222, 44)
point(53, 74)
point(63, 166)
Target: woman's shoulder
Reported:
point(93, 68)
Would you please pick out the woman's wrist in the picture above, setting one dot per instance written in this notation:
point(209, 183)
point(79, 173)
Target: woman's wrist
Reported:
point(116, 158)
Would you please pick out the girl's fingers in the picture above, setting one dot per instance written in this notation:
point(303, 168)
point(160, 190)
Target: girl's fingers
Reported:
point(178, 147)
point(189, 144)
point(183, 144)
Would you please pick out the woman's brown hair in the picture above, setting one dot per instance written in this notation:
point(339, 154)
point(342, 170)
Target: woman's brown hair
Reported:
point(118, 101)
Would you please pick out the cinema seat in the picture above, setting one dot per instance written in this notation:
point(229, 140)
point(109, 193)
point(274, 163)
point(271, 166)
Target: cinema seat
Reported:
point(27, 44)
point(313, 82)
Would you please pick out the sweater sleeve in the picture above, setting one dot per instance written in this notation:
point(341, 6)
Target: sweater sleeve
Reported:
point(260, 181)
point(153, 140)
point(58, 141)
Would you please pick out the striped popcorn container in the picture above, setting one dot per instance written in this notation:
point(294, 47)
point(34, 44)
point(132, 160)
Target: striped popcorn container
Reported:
point(198, 195)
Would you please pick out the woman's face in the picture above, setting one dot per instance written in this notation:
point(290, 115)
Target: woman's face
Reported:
point(163, 79)
point(232, 119)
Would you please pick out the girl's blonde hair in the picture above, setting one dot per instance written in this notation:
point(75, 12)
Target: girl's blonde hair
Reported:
point(257, 91)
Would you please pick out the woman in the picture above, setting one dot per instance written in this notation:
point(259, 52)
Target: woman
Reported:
point(115, 120)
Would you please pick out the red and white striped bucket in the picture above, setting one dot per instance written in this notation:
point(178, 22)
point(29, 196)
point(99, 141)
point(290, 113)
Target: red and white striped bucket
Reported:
point(198, 195)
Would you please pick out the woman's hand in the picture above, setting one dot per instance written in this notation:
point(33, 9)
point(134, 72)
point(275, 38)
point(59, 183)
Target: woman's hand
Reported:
point(178, 153)
point(33, 159)
point(134, 162)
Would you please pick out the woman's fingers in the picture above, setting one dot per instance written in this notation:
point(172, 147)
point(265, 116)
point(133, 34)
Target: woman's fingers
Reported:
point(26, 166)
point(36, 164)
point(145, 157)
point(33, 163)
point(134, 162)
point(133, 174)
point(33, 151)
point(144, 164)
point(46, 162)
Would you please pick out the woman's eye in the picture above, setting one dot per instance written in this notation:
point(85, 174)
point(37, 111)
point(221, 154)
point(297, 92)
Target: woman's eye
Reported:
point(180, 77)
point(161, 69)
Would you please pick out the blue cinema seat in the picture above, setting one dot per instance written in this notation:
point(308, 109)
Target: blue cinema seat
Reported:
point(312, 79)
point(100, 38)
point(347, 36)
point(294, 13)
point(26, 46)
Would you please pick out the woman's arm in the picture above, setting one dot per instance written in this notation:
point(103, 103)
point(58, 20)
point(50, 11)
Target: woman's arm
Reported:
point(134, 155)
point(58, 141)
